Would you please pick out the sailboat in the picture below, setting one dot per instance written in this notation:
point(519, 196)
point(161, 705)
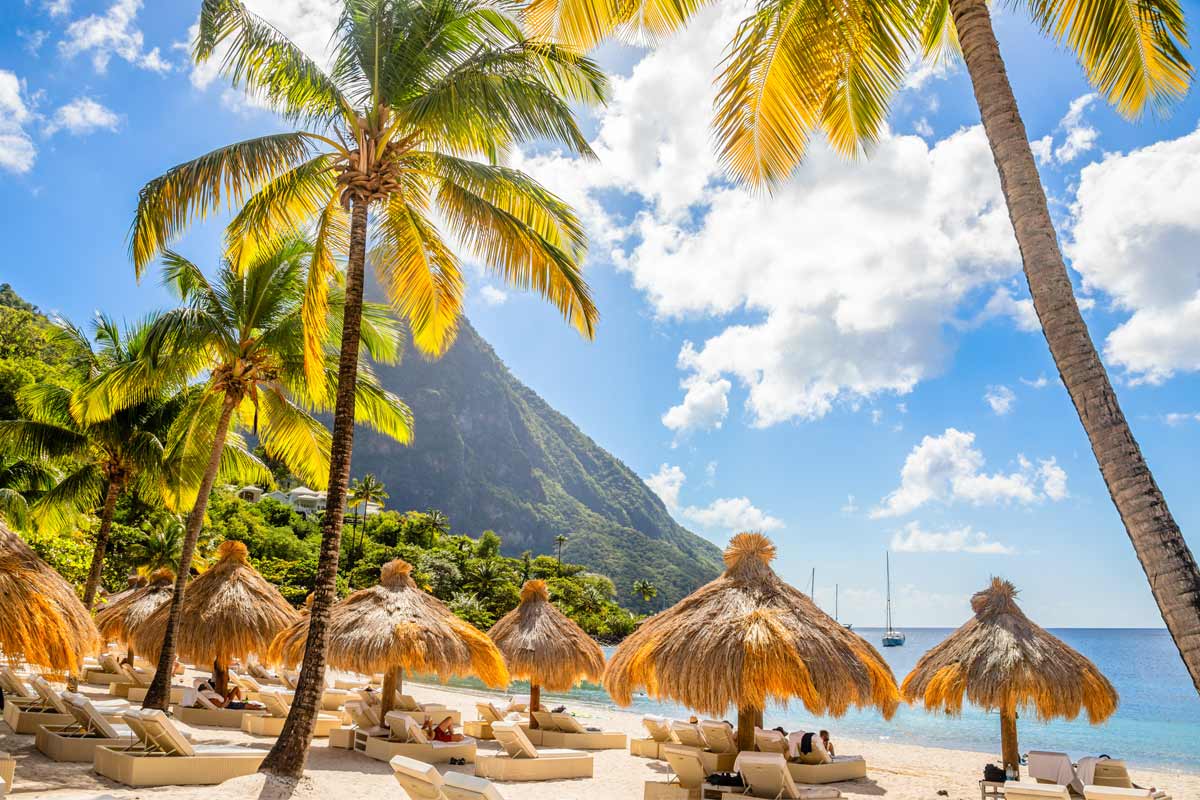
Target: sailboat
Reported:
point(845, 625)
point(891, 636)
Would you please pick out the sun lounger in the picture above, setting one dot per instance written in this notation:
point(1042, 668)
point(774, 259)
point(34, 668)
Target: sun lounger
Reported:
point(659, 730)
point(1049, 767)
point(518, 703)
point(1023, 790)
point(718, 737)
point(565, 730)
point(277, 707)
point(482, 728)
point(767, 775)
point(1122, 793)
point(208, 714)
point(402, 736)
point(263, 675)
point(688, 734)
point(163, 756)
point(818, 766)
point(423, 781)
point(687, 779)
point(15, 688)
point(78, 740)
point(139, 686)
point(8, 768)
point(47, 709)
point(521, 761)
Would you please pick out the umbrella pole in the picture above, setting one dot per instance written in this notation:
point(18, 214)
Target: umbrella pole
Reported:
point(748, 720)
point(1008, 740)
point(220, 678)
point(391, 684)
point(535, 700)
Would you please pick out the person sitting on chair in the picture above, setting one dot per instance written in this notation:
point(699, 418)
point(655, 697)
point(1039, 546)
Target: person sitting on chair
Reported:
point(827, 744)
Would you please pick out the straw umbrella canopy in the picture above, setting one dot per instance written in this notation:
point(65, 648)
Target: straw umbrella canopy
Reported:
point(131, 609)
point(1000, 660)
point(543, 645)
point(229, 612)
point(748, 638)
point(41, 618)
point(395, 626)
point(134, 582)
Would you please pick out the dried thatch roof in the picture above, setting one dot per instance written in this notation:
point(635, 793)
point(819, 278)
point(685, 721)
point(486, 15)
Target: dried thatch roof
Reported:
point(134, 582)
point(1000, 657)
point(396, 625)
point(41, 618)
point(543, 645)
point(229, 612)
point(748, 638)
point(122, 616)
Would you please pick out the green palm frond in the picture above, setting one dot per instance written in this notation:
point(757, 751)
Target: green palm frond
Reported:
point(192, 190)
point(1133, 51)
point(288, 433)
point(24, 438)
point(14, 509)
point(77, 493)
point(267, 63)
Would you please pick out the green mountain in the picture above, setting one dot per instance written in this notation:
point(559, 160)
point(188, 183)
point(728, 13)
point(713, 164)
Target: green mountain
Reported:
point(492, 454)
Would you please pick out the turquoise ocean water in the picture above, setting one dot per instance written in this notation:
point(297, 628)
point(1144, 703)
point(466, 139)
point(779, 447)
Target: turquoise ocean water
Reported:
point(1157, 724)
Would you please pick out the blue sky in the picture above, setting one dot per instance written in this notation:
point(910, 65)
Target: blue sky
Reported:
point(849, 364)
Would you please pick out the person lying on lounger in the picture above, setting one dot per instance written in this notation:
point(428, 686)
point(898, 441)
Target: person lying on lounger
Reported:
point(444, 732)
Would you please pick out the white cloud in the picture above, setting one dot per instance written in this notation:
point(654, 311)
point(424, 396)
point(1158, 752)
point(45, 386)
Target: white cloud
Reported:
point(1040, 382)
point(1002, 303)
point(1178, 418)
point(914, 539)
point(17, 150)
point(851, 507)
point(727, 514)
point(113, 33)
point(33, 40)
point(1080, 137)
point(667, 483)
point(923, 128)
point(57, 8)
point(81, 116)
point(949, 468)
point(1135, 236)
point(710, 471)
point(1001, 399)
point(705, 404)
point(731, 514)
point(493, 296)
point(1043, 149)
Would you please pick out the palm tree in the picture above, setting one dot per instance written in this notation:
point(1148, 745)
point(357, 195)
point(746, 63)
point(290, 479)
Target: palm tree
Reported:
point(485, 574)
point(162, 547)
point(417, 90)
point(106, 457)
point(362, 494)
point(799, 67)
point(246, 332)
point(22, 481)
point(645, 590)
point(559, 541)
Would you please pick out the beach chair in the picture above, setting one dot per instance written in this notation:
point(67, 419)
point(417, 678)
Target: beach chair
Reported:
point(277, 707)
point(688, 734)
point(163, 756)
point(263, 675)
point(47, 708)
point(204, 712)
point(1122, 793)
point(521, 761)
point(518, 703)
point(422, 781)
point(767, 775)
point(1046, 766)
point(15, 688)
point(1023, 790)
point(818, 766)
point(544, 720)
point(402, 736)
point(8, 769)
point(107, 672)
point(566, 731)
point(718, 737)
point(138, 686)
point(482, 728)
point(659, 733)
point(687, 779)
point(78, 740)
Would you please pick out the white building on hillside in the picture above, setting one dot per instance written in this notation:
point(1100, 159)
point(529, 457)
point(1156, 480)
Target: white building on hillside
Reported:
point(304, 500)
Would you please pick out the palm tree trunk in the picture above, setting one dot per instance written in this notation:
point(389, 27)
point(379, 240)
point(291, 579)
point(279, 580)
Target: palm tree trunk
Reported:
point(1159, 544)
point(535, 703)
point(1010, 753)
point(159, 693)
point(97, 568)
point(286, 759)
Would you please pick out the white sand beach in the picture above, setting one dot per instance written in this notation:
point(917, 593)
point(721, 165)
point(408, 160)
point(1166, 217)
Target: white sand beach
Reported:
point(895, 771)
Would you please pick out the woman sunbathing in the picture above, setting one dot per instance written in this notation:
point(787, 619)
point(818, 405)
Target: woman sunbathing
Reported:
point(444, 732)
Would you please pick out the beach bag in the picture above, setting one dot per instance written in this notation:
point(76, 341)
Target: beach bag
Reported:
point(994, 774)
point(725, 779)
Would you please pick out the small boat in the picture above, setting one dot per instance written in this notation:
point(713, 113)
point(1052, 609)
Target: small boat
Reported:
point(891, 636)
point(847, 625)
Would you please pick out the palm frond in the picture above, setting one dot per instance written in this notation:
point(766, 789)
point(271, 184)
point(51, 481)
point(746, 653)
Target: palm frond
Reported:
point(332, 237)
point(192, 190)
point(1133, 51)
point(584, 24)
point(76, 494)
point(296, 438)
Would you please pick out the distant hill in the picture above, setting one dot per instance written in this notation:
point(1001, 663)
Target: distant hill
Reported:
point(490, 453)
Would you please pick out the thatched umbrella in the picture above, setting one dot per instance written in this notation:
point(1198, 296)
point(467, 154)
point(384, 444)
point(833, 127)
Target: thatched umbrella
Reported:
point(228, 612)
point(396, 626)
point(542, 644)
point(748, 638)
point(133, 582)
point(131, 609)
point(1001, 660)
point(41, 618)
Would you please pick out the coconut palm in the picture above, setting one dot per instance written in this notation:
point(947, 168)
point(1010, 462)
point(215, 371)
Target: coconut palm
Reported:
point(363, 493)
point(799, 67)
point(245, 330)
point(161, 547)
point(22, 481)
point(418, 89)
point(107, 457)
point(560, 540)
point(645, 590)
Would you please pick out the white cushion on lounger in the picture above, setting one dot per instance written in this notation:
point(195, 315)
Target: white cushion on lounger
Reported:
point(688, 733)
point(766, 772)
point(88, 717)
point(771, 741)
point(718, 736)
point(658, 727)
point(1020, 790)
point(1115, 793)
point(459, 784)
point(1049, 766)
point(517, 745)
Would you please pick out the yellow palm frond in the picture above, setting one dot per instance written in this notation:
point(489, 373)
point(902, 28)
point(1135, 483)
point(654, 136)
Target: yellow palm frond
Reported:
point(332, 237)
point(583, 24)
point(190, 191)
point(420, 274)
point(1133, 51)
point(291, 435)
point(939, 39)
